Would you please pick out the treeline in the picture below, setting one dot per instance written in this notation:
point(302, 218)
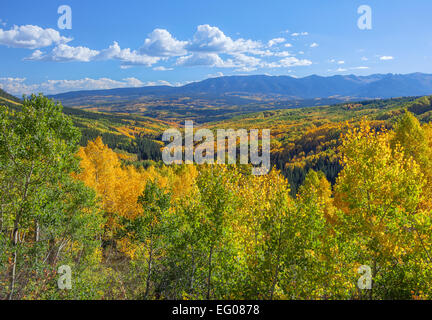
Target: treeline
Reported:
point(144, 148)
point(212, 231)
point(98, 116)
point(114, 141)
point(315, 150)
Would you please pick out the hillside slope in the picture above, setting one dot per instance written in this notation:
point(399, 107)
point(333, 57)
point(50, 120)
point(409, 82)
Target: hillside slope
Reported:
point(8, 99)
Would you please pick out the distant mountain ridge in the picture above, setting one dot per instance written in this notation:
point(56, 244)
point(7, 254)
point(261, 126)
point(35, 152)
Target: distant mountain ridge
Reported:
point(311, 87)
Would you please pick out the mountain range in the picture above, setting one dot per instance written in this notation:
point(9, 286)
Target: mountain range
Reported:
point(224, 97)
point(311, 87)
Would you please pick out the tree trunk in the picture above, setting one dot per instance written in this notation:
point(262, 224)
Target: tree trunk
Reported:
point(275, 279)
point(209, 273)
point(51, 250)
point(149, 267)
point(15, 234)
point(14, 261)
point(37, 231)
point(374, 271)
point(192, 277)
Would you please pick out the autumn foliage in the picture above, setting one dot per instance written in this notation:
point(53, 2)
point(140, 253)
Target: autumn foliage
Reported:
point(219, 232)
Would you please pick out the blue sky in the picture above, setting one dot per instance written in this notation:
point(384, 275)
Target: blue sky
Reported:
point(136, 43)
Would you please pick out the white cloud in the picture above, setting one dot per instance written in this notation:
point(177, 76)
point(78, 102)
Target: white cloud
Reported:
point(276, 41)
point(268, 53)
point(262, 53)
point(36, 55)
point(15, 86)
point(162, 68)
point(386, 58)
point(64, 52)
point(337, 61)
point(364, 59)
point(282, 54)
point(215, 75)
point(246, 69)
point(240, 61)
point(157, 83)
point(132, 82)
point(360, 68)
point(243, 60)
point(18, 86)
point(201, 59)
point(314, 45)
point(212, 39)
point(209, 47)
point(162, 44)
point(127, 56)
point(294, 62)
point(31, 37)
point(296, 34)
point(112, 52)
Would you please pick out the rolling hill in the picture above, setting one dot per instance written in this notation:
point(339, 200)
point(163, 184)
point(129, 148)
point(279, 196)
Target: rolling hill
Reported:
point(8, 99)
point(224, 97)
point(302, 138)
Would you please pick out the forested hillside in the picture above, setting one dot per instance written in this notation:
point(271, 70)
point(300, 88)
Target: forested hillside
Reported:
point(351, 187)
point(8, 99)
point(308, 138)
point(138, 136)
point(302, 139)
